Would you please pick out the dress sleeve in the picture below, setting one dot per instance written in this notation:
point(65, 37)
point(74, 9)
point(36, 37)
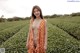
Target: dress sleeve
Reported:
point(45, 34)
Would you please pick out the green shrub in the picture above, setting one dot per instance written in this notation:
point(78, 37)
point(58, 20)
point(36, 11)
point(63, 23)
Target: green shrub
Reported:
point(61, 42)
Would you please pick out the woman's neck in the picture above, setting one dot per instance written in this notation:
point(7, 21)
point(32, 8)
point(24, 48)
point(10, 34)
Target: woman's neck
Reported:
point(38, 18)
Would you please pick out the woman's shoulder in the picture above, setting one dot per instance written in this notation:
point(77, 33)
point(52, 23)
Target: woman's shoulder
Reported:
point(31, 20)
point(45, 20)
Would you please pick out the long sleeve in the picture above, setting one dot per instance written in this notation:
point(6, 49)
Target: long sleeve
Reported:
point(45, 34)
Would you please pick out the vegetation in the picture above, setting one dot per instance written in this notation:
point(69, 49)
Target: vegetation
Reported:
point(63, 35)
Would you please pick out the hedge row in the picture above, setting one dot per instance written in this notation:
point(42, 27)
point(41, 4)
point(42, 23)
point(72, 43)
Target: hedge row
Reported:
point(17, 43)
point(71, 28)
point(60, 41)
point(9, 32)
point(5, 25)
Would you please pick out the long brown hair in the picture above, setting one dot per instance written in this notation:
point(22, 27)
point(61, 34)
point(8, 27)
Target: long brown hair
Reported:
point(37, 7)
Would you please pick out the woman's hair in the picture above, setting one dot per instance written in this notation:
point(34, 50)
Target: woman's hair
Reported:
point(36, 7)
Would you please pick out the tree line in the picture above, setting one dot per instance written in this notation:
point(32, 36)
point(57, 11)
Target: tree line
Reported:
point(15, 18)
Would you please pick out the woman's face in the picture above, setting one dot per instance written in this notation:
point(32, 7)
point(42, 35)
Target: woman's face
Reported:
point(36, 12)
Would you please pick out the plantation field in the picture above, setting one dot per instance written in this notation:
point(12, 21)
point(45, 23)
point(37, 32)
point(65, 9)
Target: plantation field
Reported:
point(63, 35)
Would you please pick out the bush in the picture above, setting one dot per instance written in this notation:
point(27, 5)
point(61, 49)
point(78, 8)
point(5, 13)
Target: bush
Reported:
point(61, 42)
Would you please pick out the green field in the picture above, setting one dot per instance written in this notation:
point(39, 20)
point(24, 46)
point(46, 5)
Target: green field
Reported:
point(63, 35)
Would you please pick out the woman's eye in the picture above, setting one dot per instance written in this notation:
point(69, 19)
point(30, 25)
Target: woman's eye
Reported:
point(36, 11)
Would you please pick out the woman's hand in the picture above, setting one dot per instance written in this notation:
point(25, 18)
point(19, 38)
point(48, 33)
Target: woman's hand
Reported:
point(27, 45)
point(45, 48)
point(35, 49)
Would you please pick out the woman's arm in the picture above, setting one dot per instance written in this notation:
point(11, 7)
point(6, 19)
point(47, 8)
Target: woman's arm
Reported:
point(30, 23)
point(28, 34)
point(45, 34)
point(27, 38)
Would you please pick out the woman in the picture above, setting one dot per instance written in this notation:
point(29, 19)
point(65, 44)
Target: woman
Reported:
point(37, 35)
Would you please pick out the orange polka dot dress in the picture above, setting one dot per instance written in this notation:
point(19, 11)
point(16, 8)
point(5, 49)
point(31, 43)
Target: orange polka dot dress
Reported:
point(40, 39)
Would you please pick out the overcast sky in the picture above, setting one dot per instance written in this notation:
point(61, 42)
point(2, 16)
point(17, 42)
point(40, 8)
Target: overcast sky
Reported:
point(23, 8)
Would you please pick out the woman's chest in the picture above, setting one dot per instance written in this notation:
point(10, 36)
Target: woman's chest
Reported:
point(36, 24)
